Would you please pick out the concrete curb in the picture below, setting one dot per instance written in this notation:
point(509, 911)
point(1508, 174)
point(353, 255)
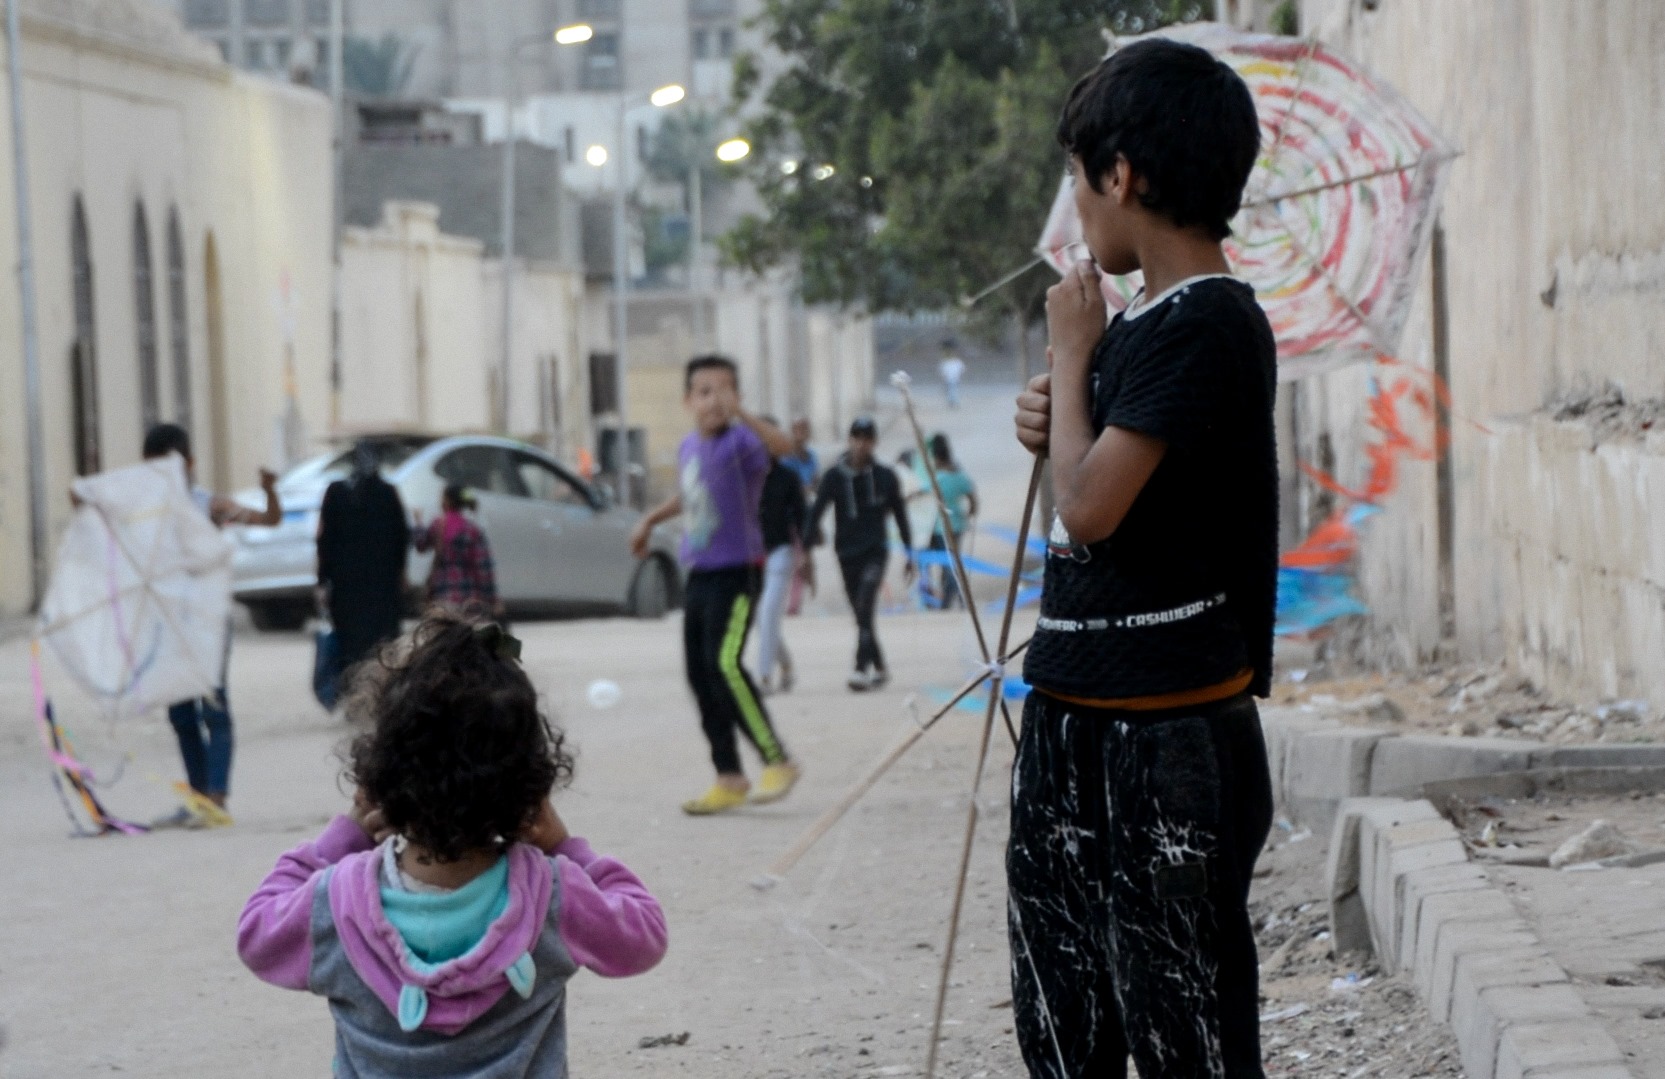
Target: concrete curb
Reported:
point(1401, 886)
point(1317, 763)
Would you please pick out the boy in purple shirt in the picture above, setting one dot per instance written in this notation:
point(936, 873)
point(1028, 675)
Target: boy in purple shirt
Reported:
point(722, 465)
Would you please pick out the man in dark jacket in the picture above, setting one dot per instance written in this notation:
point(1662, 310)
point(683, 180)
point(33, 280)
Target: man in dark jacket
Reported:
point(865, 492)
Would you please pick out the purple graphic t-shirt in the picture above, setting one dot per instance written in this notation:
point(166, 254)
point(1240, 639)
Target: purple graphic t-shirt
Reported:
point(722, 481)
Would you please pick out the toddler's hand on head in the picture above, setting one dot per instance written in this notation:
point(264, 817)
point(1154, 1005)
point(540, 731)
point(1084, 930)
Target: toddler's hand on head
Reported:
point(547, 831)
point(369, 818)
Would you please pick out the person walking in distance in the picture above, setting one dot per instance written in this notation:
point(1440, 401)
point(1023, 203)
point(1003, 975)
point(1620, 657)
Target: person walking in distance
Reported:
point(463, 578)
point(807, 465)
point(959, 495)
point(203, 725)
point(1141, 795)
point(951, 369)
point(363, 542)
point(864, 492)
point(803, 460)
point(724, 462)
point(782, 517)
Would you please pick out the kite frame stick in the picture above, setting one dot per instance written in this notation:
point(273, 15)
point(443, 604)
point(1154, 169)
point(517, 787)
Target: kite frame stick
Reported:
point(901, 381)
point(832, 816)
point(1035, 475)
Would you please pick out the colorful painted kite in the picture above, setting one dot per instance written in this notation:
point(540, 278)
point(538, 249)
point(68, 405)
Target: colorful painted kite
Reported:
point(1339, 209)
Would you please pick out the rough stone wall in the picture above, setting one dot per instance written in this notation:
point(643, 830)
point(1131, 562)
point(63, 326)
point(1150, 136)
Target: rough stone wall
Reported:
point(1555, 233)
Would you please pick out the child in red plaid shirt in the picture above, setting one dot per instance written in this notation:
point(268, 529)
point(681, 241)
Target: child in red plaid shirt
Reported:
point(462, 577)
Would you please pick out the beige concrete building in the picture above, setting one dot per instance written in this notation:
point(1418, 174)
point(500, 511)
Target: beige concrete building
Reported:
point(182, 258)
point(1541, 538)
point(422, 326)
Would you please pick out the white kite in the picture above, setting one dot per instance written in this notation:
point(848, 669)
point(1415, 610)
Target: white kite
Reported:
point(139, 601)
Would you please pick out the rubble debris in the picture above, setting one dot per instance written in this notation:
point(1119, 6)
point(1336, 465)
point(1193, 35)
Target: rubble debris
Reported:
point(663, 1040)
point(1600, 840)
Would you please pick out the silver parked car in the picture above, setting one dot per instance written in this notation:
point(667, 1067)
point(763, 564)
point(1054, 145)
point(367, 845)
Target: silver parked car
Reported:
point(559, 544)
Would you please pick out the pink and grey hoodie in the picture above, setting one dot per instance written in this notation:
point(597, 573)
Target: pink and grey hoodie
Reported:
point(496, 1012)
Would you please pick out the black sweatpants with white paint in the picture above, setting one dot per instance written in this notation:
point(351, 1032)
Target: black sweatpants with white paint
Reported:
point(1132, 847)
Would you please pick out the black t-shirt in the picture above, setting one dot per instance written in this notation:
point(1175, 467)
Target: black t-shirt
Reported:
point(1181, 596)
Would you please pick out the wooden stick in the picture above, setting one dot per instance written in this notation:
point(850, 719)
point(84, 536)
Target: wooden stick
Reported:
point(977, 781)
point(832, 816)
point(1036, 473)
point(901, 381)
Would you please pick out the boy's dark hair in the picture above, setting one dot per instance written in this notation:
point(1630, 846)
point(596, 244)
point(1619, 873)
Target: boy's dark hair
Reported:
point(459, 759)
point(1183, 119)
point(941, 451)
point(166, 438)
point(710, 362)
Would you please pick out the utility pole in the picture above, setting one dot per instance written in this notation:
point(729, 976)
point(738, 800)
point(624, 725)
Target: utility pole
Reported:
point(621, 317)
point(508, 243)
point(696, 215)
point(32, 404)
point(338, 98)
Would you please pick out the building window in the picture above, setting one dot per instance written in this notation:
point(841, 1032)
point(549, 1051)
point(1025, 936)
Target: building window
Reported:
point(179, 329)
point(598, 9)
point(254, 54)
point(725, 42)
point(266, 12)
point(711, 9)
point(569, 144)
point(200, 13)
point(702, 44)
point(601, 63)
point(225, 49)
point(644, 142)
point(144, 323)
point(83, 352)
point(318, 12)
point(281, 50)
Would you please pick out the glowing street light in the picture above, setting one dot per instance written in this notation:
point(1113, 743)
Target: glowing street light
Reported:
point(733, 150)
point(596, 156)
point(576, 34)
point(667, 95)
point(822, 172)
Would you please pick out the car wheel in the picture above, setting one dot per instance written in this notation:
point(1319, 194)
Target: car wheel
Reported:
point(650, 593)
point(279, 615)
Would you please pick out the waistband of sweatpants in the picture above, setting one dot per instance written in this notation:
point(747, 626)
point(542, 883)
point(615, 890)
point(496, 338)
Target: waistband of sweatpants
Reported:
point(1212, 710)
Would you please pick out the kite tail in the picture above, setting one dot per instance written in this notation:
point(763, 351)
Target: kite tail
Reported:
point(67, 770)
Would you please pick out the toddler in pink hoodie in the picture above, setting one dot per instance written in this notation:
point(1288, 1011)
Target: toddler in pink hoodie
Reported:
point(443, 916)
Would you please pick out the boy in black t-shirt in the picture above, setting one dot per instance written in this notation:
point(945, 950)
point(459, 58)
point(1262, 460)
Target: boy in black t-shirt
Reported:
point(1140, 794)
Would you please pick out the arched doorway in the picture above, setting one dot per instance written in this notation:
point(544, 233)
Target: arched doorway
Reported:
point(219, 393)
point(144, 323)
point(179, 341)
point(83, 350)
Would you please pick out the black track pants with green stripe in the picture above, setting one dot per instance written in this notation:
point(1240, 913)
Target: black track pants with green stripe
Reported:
point(716, 618)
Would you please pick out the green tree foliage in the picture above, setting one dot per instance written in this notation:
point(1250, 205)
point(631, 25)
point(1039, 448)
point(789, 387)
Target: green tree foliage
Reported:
point(379, 68)
point(937, 119)
point(687, 138)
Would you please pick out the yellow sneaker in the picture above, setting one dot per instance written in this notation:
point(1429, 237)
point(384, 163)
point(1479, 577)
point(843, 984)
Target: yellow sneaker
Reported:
point(202, 809)
point(719, 799)
point(776, 783)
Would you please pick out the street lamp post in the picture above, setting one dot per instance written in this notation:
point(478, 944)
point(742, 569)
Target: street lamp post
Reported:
point(663, 97)
point(566, 35)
